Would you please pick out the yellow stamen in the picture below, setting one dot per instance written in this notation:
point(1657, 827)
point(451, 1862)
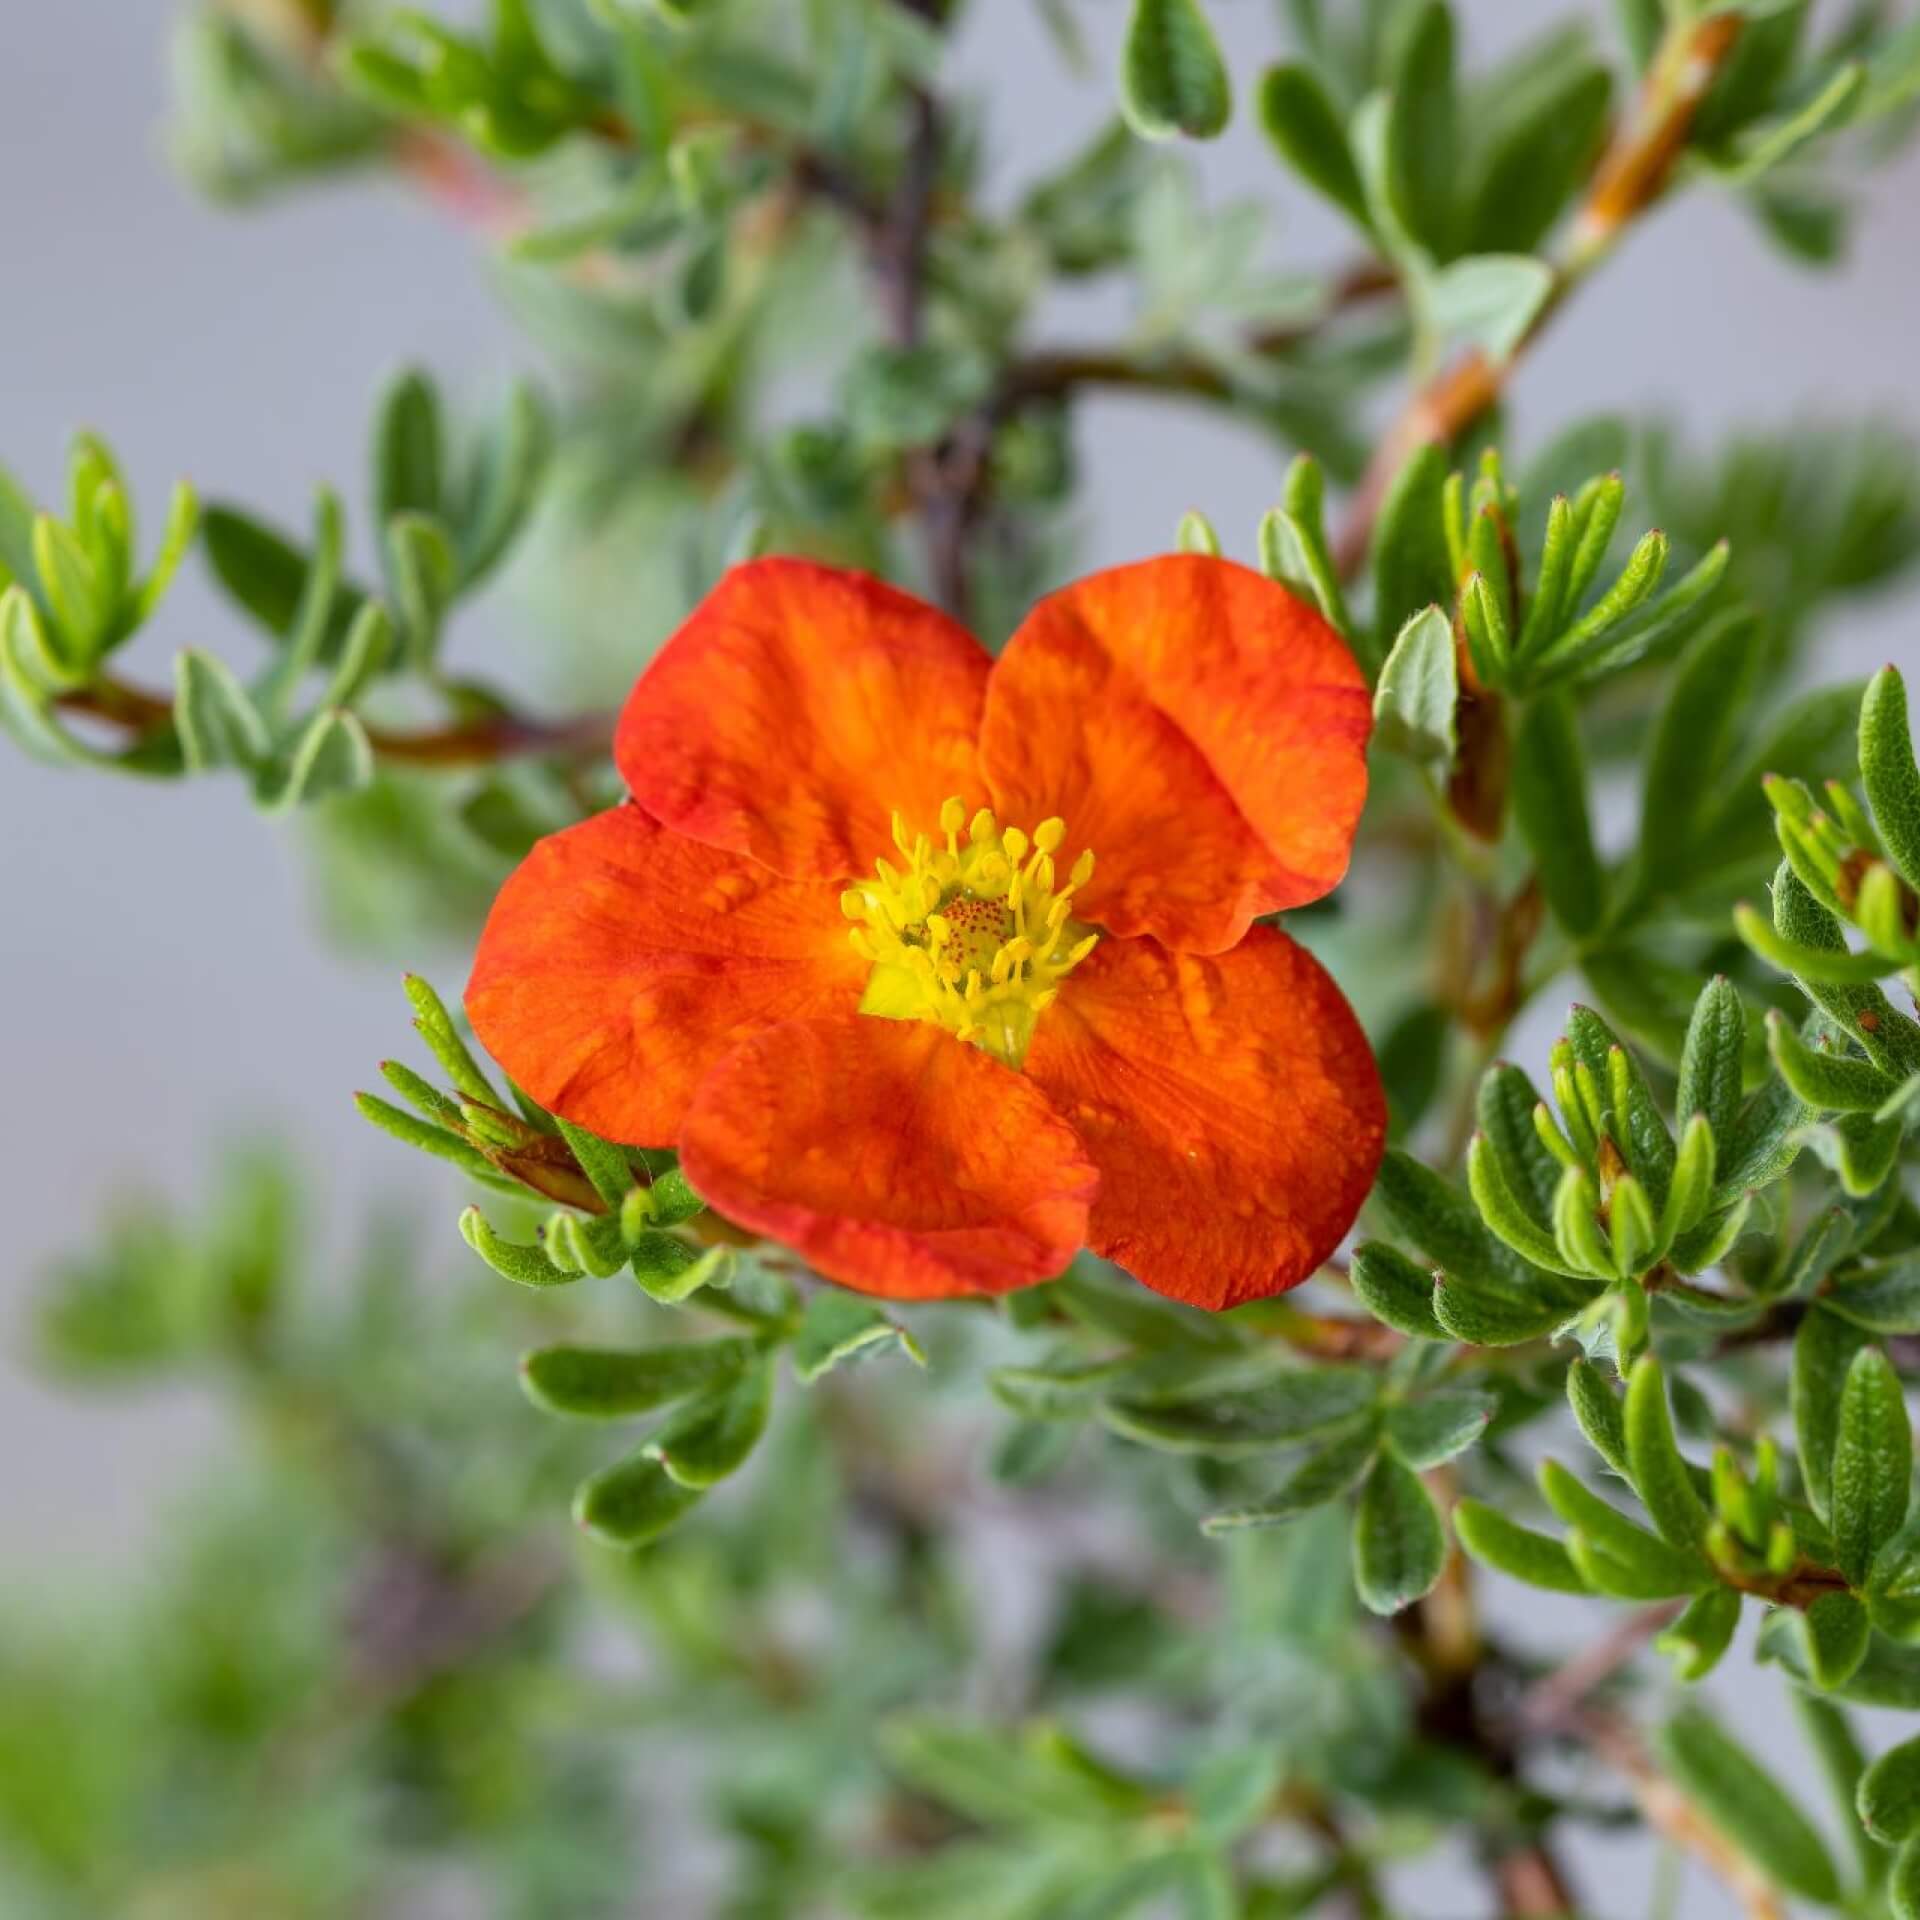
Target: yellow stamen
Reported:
point(975, 935)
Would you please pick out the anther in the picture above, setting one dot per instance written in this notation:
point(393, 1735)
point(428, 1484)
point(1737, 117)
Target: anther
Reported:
point(1049, 833)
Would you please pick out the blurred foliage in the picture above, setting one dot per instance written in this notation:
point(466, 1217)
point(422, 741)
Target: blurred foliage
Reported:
point(1080, 1604)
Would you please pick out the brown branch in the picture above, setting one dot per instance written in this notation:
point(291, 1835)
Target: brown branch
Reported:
point(468, 743)
point(1558, 1704)
point(1631, 177)
point(1668, 1811)
point(1550, 1704)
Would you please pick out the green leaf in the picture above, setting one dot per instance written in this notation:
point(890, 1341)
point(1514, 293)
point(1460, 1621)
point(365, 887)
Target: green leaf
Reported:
point(1861, 1150)
point(504, 484)
point(908, 396)
point(1549, 777)
point(1889, 1794)
point(1323, 1474)
point(839, 1326)
point(1231, 1792)
point(435, 1026)
point(1412, 1056)
point(1696, 1641)
point(1769, 144)
point(218, 724)
point(1412, 565)
point(1419, 690)
point(1506, 1106)
point(424, 572)
point(1883, 1297)
point(1659, 1569)
point(1888, 771)
point(1711, 1061)
point(525, 1266)
point(408, 450)
point(1597, 1409)
point(1626, 632)
point(1764, 1144)
point(1293, 543)
point(182, 523)
point(611, 1383)
point(1441, 1221)
point(80, 601)
point(268, 575)
point(330, 755)
point(1660, 1475)
point(1488, 302)
point(671, 1199)
point(633, 1502)
point(1837, 1634)
point(1503, 1210)
point(1826, 1080)
point(1306, 130)
point(1489, 1315)
point(363, 654)
point(1172, 77)
point(1890, 1039)
point(601, 1161)
point(1495, 1541)
point(1817, 966)
point(1537, 143)
point(1436, 1427)
point(1872, 1463)
point(1691, 743)
point(1748, 1805)
point(1399, 1545)
point(1823, 1351)
point(1903, 1884)
point(427, 1138)
point(1394, 1290)
point(712, 1437)
point(1830, 1733)
point(1128, 1312)
point(992, 1777)
point(1888, 1677)
point(668, 1270)
point(1290, 1407)
point(1421, 169)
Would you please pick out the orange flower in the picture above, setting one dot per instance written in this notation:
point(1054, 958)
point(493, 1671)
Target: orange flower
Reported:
point(947, 1076)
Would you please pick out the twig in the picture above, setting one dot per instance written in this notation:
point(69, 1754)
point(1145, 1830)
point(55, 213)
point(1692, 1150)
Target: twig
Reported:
point(1550, 1704)
point(1630, 179)
point(1669, 1811)
point(467, 743)
point(1558, 1704)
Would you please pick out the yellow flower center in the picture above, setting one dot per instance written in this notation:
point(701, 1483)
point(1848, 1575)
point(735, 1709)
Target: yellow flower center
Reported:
point(974, 935)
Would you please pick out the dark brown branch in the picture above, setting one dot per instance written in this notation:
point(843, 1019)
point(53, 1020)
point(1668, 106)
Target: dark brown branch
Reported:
point(1631, 177)
point(467, 743)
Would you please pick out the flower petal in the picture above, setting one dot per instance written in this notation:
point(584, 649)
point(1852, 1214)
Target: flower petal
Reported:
point(795, 709)
point(1231, 1104)
point(895, 1158)
point(1202, 730)
point(621, 960)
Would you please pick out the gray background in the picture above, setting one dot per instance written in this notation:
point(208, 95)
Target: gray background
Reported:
point(160, 976)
